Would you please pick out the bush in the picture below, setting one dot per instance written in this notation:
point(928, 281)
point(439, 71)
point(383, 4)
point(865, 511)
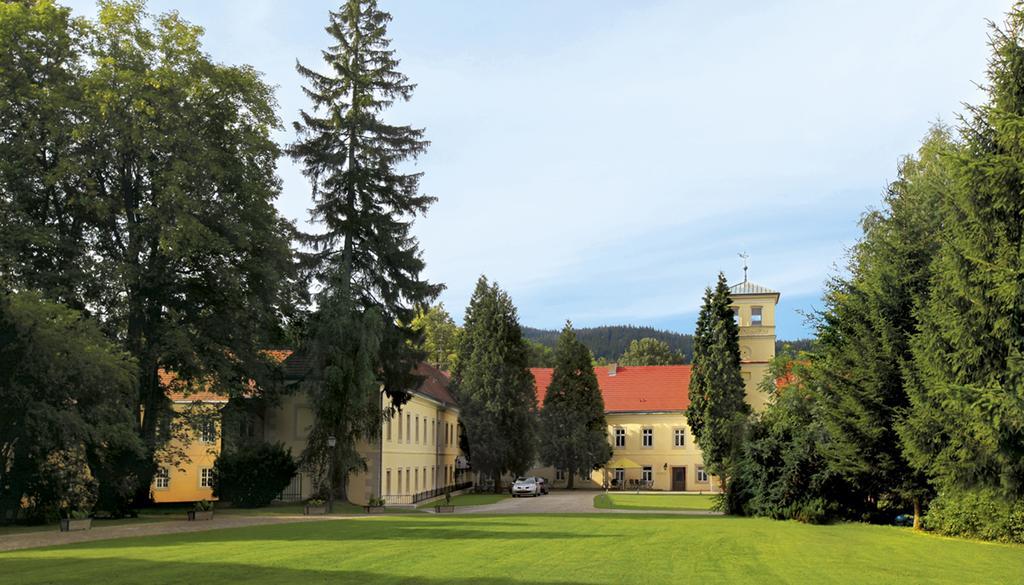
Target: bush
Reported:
point(977, 514)
point(253, 475)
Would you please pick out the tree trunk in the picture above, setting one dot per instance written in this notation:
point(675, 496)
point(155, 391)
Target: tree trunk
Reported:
point(917, 513)
point(571, 484)
point(497, 482)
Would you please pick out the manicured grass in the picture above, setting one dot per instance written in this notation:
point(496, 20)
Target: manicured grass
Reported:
point(654, 501)
point(340, 508)
point(504, 550)
point(468, 500)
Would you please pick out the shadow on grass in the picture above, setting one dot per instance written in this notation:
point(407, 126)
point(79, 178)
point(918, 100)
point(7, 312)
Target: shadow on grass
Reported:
point(113, 570)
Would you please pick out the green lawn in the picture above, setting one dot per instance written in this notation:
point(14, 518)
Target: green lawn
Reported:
point(654, 501)
point(505, 550)
point(468, 500)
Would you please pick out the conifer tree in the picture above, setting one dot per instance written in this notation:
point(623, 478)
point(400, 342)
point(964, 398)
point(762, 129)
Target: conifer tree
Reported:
point(494, 387)
point(865, 330)
point(573, 431)
point(966, 424)
point(365, 258)
point(718, 409)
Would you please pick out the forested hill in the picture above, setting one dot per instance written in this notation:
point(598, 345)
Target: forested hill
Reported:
point(611, 341)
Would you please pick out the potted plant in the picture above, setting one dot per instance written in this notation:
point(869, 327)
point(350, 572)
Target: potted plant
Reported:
point(374, 506)
point(447, 507)
point(203, 510)
point(76, 520)
point(315, 507)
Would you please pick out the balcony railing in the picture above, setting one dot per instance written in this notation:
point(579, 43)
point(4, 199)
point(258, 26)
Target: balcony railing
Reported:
point(409, 499)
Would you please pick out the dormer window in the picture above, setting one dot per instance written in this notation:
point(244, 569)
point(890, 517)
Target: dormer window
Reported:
point(755, 316)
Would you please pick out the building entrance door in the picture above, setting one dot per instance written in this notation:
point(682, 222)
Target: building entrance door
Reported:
point(679, 479)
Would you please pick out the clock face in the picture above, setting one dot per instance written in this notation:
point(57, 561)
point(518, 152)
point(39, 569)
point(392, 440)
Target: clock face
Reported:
point(745, 353)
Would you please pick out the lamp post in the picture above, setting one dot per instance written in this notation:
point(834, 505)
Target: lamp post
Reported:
point(331, 442)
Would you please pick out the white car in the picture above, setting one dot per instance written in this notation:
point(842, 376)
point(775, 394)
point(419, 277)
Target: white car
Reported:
point(526, 486)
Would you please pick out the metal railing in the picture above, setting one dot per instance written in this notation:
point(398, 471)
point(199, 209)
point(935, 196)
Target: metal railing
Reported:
point(408, 499)
point(292, 493)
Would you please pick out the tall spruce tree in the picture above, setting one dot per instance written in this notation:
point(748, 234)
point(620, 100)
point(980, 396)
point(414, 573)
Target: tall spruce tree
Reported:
point(718, 409)
point(365, 258)
point(966, 423)
point(573, 432)
point(497, 399)
point(865, 330)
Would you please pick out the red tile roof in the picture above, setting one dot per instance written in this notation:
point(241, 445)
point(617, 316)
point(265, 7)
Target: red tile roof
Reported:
point(633, 388)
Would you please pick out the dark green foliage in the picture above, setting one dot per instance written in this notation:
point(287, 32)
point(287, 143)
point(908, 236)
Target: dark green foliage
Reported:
point(718, 409)
point(783, 473)
point(150, 201)
point(494, 387)
point(650, 352)
point(364, 256)
point(979, 513)
point(610, 342)
point(252, 475)
point(573, 432)
point(966, 424)
point(864, 334)
point(65, 419)
point(539, 355)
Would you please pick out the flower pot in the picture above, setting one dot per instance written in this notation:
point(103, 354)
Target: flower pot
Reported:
point(70, 525)
point(444, 509)
point(374, 509)
point(314, 510)
point(200, 515)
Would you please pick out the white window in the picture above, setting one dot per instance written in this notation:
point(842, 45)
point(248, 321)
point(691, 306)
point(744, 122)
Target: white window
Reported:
point(702, 474)
point(559, 475)
point(162, 479)
point(206, 477)
point(389, 429)
point(620, 475)
point(647, 474)
point(755, 316)
point(620, 437)
point(679, 437)
point(388, 484)
point(648, 436)
point(207, 431)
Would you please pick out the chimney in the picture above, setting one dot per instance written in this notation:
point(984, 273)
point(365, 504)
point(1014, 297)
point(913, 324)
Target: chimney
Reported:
point(613, 369)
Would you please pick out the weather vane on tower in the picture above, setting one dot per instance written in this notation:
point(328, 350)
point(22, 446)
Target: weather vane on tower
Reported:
point(745, 257)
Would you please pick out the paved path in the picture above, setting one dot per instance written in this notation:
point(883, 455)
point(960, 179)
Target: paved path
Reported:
point(55, 537)
point(559, 502)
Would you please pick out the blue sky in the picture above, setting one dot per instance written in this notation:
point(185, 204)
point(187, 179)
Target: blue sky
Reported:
point(604, 160)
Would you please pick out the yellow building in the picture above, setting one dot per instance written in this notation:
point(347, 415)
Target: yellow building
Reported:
point(416, 456)
point(645, 408)
point(185, 466)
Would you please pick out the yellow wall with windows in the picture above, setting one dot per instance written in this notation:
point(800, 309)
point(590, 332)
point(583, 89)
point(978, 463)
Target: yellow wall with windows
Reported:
point(661, 456)
point(413, 444)
point(757, 341)
point(187, 476)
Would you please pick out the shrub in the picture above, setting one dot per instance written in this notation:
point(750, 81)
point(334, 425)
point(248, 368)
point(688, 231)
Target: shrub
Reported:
point(976, 514)
point(253, 475)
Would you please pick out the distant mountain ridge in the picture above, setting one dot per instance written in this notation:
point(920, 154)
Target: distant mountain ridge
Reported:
point(611, 341)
